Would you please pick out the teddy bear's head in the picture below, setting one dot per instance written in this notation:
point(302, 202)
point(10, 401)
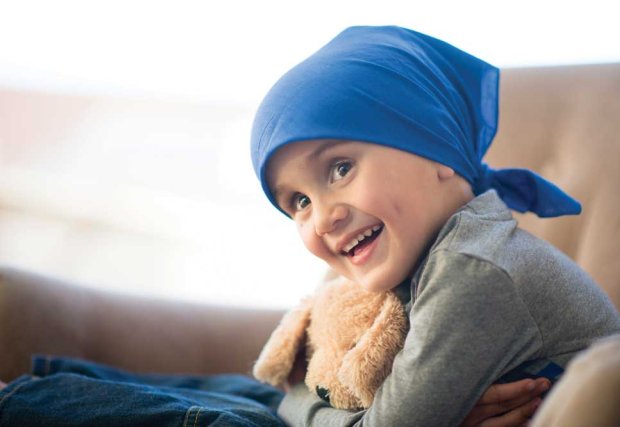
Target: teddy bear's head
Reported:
point(350, 337)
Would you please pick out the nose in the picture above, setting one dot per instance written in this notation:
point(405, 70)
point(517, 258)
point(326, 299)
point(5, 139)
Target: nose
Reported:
point(327, 216)
point(322, 393)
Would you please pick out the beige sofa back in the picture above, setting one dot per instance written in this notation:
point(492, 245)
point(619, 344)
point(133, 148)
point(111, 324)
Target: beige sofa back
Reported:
point(564, 123)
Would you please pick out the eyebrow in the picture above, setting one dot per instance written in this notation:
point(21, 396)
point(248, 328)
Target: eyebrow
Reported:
point(325, 145)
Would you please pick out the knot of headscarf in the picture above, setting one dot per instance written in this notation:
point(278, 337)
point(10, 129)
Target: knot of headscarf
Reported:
point(524, 190)
point(403, 89)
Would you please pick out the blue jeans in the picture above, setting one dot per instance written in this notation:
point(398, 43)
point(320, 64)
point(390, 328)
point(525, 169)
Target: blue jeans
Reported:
point(72, 392)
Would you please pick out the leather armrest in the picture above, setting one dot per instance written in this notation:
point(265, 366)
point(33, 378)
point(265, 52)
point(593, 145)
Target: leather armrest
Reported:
point(39, 315)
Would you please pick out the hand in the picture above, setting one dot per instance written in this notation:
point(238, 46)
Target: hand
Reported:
point(507, 405)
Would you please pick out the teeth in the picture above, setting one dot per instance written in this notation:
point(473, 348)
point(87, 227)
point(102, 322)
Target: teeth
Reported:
point(354, 242)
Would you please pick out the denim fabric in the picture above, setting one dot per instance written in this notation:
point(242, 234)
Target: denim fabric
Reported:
point(72, 392)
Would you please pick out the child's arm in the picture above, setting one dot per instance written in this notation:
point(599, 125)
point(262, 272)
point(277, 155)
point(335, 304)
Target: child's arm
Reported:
point(468, 326)
point(502, 405)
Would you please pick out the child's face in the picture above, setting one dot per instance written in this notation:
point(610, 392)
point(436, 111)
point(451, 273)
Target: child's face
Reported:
point(367, 210)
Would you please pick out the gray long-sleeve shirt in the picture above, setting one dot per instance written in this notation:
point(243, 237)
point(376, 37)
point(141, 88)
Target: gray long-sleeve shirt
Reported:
point(490, 299)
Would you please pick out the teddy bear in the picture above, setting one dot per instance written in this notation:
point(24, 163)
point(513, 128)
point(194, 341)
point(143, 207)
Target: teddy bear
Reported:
point(351, 337)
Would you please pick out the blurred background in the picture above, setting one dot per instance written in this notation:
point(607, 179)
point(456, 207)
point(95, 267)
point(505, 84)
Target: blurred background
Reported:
point(124, 129)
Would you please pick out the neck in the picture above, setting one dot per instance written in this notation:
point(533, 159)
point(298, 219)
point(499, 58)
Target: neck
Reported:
point(457, 195)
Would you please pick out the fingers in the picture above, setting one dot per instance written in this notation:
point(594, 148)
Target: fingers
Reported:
point(501, 407)
point(517, 417)
point(505, 392)
point(506, 405)
point(482, 412)
point(522, 405)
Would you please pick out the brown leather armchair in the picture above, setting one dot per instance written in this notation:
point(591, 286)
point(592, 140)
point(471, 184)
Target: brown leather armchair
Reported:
point(563, 122)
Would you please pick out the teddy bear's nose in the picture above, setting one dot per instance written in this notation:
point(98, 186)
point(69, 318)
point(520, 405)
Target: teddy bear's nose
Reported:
point(323, 393)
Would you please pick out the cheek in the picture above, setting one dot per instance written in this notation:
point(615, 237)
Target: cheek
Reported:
point(378, 198)
point(364, 193)
point(311, 241)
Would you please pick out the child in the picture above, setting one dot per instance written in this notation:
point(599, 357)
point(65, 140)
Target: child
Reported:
point(373, 146)
point(88, 393)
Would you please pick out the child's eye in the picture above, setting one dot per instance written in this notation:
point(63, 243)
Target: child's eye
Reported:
point(340, 170)
point(300, 202)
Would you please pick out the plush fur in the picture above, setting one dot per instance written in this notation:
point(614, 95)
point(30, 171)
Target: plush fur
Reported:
point(351, 337)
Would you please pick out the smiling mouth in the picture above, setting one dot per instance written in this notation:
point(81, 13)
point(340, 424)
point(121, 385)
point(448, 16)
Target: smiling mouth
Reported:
point(361, 241)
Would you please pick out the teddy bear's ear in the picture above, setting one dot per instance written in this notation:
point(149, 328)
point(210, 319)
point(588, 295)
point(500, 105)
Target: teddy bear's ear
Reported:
point(366, 365)
point(278, 356)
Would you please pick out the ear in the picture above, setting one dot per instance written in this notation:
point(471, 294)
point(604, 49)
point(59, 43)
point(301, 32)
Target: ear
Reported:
point(444, 172)
point(278, 356)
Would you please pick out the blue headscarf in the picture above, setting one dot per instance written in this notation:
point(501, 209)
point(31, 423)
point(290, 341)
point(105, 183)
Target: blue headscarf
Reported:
point(403, 89)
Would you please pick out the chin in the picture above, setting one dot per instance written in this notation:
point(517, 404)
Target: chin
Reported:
point(380, 284)
point(374, 281)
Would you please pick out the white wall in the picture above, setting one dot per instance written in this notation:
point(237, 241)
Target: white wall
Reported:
point(124, 128)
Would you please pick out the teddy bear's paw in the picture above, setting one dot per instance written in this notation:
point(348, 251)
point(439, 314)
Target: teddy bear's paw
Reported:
point(339, 397)
point(360, 398)
point(321, 379)
point(361, 376)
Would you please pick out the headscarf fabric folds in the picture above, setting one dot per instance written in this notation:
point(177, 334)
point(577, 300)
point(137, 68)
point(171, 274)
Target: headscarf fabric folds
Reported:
point(399, 88)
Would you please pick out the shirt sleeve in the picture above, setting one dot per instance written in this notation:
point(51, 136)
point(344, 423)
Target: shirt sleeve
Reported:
point(468, 326)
